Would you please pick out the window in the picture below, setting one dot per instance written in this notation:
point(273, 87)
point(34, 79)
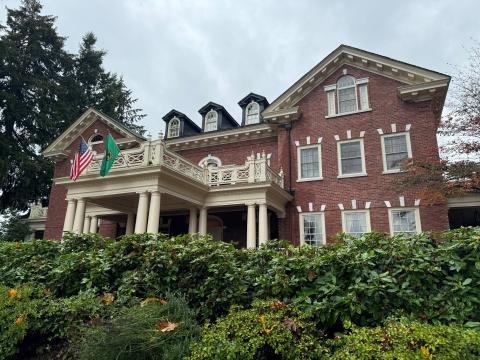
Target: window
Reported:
point(356, 222)
point(312, 229)
point(210, 162)
point(404, 221)
point(252, 113)
point(211, 121)
point(396, 149)
point(174, 128)
point(347, 96)
point(95, 139)
point(309, 163)
point(351, 158)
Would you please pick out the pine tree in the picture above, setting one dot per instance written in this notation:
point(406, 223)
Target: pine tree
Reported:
point(43, 90)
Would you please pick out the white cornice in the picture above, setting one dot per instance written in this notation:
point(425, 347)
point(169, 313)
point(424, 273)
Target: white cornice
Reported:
point(243, 133)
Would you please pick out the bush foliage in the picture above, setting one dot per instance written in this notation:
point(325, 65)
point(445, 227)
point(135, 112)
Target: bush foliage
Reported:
point(431, 277)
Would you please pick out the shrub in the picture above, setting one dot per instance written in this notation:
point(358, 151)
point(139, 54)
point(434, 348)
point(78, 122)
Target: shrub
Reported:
point(156, 330)
point(407, 340)
point(268, 330)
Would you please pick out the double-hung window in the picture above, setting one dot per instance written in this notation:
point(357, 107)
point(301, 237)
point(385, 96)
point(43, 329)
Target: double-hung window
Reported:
point(404, 221)
point(174, 128)
point(309, 163)
point(347, 96)
point(312, 229)
point(252, 115)
point(211, 120)
point(351, 158)
point(356, 222)
point(396, 149)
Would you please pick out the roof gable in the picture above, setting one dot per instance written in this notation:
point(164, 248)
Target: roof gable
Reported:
point(414, 77)
point(58, 146)
point(167, 117)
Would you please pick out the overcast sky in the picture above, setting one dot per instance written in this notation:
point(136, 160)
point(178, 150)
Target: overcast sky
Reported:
point(182, 54)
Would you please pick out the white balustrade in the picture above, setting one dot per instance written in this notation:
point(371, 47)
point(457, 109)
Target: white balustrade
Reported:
point(154, 153)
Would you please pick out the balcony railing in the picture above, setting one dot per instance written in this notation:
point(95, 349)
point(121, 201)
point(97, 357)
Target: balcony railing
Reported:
point(154, 153)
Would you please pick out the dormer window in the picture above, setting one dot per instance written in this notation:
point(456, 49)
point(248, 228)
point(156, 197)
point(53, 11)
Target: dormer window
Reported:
point(211, 120)
point(252, 115)
point(347, 96)
point(174, 128)
point(95, 139)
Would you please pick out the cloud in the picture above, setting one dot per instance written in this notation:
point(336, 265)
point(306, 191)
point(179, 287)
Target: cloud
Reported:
point(182, 54)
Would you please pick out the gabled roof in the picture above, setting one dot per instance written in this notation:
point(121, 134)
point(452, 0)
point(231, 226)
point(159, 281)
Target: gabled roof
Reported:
point(211, 105)
point(180, 115)
point(58, 146)
point(252, 96)
point(415, 78)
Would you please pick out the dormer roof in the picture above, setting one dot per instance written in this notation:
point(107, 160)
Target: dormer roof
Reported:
point(172, 113)
point(211, 105)
point(255, 97)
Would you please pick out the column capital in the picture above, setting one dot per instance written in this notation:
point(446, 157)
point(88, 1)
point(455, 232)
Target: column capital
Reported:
point(250, 204)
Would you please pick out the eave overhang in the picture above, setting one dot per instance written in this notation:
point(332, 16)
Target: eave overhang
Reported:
point(221, 137)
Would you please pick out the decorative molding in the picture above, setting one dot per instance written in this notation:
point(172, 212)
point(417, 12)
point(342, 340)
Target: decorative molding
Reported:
point(408, 127)
point(319, 141)
point(340, 206)
point(337, 137)
point(354, 204)
point(387, 204)
point(417, 202)
point(380, 131)
point(297, 143)
point(402, 201)
point(362, 134)
point(349, 134)
point(308, 140)
point(368, 204)
point(299, 209)
point(394, 128)
point(310, 206)
point(322, 208)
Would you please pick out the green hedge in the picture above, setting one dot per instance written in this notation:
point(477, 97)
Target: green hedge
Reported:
point(430, 277)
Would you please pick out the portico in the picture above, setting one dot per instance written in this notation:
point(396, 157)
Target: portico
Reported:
point(146, 192)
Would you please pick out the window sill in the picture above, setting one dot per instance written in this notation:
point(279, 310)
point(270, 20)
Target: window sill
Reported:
point(347, 113)
point(396, 171)
point(351, 175)
point(309, 179)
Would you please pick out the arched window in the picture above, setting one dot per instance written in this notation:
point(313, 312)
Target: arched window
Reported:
point(210, 162)
point(174, 128)
point(211, 120)
point(95, 139)
point(252, 113)
point(347, 94)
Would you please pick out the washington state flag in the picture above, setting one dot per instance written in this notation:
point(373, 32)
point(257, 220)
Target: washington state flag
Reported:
point(111, 153)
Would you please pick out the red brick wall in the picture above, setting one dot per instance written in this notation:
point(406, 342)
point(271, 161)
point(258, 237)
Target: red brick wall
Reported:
point(108, 228)
point(376, 187)
point(235, 153)
point(57, 205)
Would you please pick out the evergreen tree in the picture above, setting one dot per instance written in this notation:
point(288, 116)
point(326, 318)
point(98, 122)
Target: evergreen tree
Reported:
point(43, 89)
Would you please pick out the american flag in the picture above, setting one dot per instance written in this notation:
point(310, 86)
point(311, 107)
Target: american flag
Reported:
point(81, 161)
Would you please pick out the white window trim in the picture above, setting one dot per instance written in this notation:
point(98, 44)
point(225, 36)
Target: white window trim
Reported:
point(216, 122)
point(169, 133)
point(322, 222)
point(90, 142)
point(333, 87)
point(299, 163)
point(339, 159)
point(344, 222)
point(258, 113)
point(418, 224)
point(384, 155)
point(205, 160)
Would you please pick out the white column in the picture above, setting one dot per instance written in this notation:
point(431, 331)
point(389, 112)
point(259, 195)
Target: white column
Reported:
point(86, 225)
point(202, 221)
point(94, 225)
point(192, 221)
point(130, 223)
point(262, 224)
point(154, 213)
point(251, 227)
point(79, 216)
point(69, 215)
point(142, 213)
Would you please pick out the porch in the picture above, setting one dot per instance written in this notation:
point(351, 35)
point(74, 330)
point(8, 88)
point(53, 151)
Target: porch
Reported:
point(151, 189)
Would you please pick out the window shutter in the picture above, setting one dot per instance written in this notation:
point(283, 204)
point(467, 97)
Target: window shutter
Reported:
point(363, 93)
point(331, 102)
